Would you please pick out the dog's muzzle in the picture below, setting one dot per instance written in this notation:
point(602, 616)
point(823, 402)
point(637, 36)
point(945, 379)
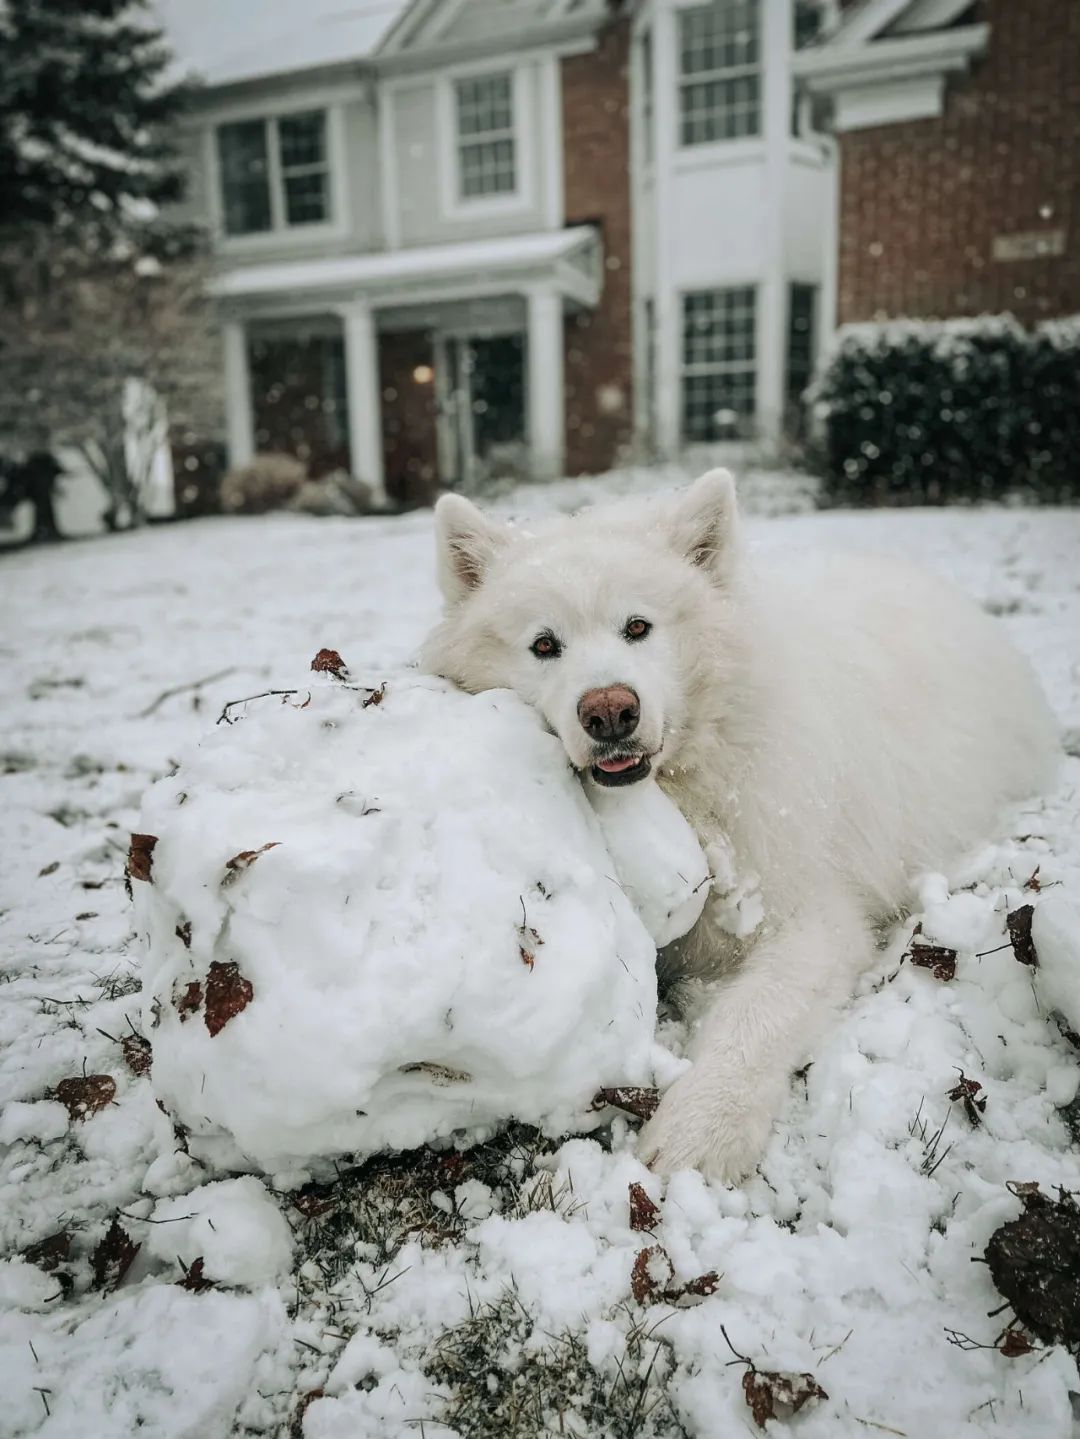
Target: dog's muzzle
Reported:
point(618, 769)
point(609, 716)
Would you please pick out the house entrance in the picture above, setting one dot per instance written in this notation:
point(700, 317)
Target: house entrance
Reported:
point(482, 426)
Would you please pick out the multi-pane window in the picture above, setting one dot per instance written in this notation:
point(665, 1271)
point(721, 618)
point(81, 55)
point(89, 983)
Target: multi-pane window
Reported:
point(274, 173)
point(802, 303)
point(718, 363)
point(485, 134)
point(719, 71)
point(245, 177)
point(304, 171)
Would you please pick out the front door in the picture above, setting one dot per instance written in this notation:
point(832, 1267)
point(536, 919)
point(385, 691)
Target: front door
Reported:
point(482, 409)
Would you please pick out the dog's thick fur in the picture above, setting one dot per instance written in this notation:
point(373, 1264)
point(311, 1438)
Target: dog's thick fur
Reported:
point(842, 723)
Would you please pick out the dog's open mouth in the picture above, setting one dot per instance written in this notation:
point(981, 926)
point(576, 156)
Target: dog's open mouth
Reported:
point(621, 769)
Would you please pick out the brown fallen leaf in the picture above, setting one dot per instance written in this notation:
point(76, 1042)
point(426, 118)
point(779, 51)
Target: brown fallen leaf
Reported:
point(243, 861)
point(699, 1288)
point(967, 1091)
point(652, 1275)
point(766, 1391)
point(330, 662)
point(183, 933)
point(634, 1099)
point(1033, 882)
point(1034, 1261)
point(140, 861)
point(1019, 924)
point(376, 697)
point(528, 943)
point(138, 1053)
point(652, 1280)
point(113, 1257)
point(188, 1001)
point(643, 1212)
point(1014, 1343)
point(194, 1279)
point(50, 1252)
point(228, 993)
point(86, 1094)
point(940, 961)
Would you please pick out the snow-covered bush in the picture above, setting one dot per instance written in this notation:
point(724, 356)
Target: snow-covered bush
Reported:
point(931, 412)
point(269, 482)
point(338, 493)
point(376, 918)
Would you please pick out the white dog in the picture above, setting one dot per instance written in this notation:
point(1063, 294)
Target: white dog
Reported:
point(841, 723)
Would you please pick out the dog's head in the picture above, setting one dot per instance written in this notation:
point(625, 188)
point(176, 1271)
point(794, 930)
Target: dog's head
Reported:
point(603, 622)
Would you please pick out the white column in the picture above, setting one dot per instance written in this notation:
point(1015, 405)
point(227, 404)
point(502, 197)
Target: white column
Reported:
point(667, 313)
point(776, 44)
point(364, 397)
point(239, 414)
point(546, 385)
point(830, 277)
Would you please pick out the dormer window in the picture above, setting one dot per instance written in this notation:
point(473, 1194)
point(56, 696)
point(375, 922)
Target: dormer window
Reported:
point(275, 173)
point(486, 146)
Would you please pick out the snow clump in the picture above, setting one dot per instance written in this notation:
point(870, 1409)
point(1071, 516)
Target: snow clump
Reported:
point(376, 918)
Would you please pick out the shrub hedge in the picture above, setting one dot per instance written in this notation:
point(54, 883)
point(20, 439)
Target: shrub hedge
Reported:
point(934, 412)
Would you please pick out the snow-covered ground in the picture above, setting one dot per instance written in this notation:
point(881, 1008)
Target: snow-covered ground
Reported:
point(492, 1292)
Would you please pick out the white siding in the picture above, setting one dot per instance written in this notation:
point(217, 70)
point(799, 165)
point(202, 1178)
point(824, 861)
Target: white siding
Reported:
point(423, 150)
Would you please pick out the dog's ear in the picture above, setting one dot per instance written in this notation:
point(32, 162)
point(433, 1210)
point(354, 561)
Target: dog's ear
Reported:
point(704, 524)
point(467, 541)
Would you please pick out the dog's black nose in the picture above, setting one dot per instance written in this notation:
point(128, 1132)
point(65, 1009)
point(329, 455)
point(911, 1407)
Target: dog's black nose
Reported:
point(609, 714)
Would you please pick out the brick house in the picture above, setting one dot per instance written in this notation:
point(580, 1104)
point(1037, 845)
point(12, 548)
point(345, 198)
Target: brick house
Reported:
point(454, 236)
point(959, 172)
point(459, 237)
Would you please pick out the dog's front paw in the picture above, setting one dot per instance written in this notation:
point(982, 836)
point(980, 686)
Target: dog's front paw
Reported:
point(703, 1123)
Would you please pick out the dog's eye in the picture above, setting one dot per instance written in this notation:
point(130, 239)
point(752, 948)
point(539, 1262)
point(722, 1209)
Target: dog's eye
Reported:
point(636, 629)
point(546, 647)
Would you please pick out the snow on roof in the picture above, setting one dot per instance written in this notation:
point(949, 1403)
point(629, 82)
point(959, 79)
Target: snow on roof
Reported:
point(427, 262)
point(227, 41)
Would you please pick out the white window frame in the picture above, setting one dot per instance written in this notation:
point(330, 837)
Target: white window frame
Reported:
point(280, 233)
point(495, 135)
point(522, 91)
point(710, 368)
point(284, 172)
point(646, 57)
point(704, 77)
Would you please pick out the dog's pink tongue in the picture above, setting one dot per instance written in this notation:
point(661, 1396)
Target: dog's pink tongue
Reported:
point(616, 766)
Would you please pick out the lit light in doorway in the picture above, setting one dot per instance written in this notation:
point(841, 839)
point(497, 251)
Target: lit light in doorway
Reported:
point(423, 374)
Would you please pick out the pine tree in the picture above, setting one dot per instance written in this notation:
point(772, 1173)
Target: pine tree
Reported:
point(98, 288)
point(87, 117)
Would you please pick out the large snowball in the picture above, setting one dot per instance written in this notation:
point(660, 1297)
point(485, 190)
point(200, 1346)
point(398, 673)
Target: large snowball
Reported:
point(371, 926)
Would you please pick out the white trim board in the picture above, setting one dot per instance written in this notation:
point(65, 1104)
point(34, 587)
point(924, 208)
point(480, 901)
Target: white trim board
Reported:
point(500, 258)
point(891, 80)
